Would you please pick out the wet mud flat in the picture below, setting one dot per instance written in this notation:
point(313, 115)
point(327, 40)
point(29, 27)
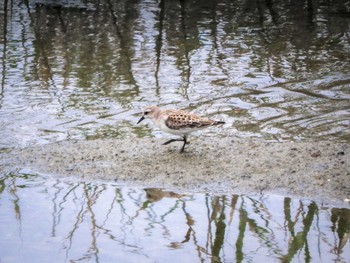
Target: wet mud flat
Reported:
point(318, 170)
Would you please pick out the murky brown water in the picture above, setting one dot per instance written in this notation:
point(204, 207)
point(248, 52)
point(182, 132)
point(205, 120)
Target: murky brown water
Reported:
point(84, 69)
point(74, 221)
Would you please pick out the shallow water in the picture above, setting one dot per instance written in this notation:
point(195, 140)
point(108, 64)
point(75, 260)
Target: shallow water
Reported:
point(85, 69)
point(60, 220)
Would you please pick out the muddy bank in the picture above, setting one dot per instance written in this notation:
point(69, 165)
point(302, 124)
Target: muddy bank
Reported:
point(316, 170)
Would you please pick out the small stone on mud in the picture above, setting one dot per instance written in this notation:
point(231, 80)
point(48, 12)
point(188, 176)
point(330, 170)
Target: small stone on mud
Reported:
point(316, 154)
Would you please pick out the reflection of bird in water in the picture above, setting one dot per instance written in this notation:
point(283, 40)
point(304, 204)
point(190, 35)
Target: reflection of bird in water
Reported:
point(177, 122)
point(156, 194)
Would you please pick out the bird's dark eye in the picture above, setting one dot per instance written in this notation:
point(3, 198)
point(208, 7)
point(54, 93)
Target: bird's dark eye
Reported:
point(146, 112)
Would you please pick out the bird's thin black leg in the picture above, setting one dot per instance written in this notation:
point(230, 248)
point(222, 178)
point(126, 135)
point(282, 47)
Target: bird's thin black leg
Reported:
point(185, 142)
point(173, 140)
point(183, 139)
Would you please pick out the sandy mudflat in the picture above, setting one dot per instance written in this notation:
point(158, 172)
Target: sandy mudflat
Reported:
point(317, 170)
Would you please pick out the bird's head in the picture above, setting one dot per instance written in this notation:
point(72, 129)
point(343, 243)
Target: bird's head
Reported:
point(149, 112)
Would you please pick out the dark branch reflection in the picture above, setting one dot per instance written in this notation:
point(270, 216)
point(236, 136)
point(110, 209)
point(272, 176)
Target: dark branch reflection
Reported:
point(101, 222)
point(94, 64)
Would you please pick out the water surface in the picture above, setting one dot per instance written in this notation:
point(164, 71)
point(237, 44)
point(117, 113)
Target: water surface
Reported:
point(58, 220)
point(85, 69)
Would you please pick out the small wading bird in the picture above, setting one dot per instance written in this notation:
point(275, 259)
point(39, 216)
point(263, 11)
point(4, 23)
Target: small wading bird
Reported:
point(177, 122)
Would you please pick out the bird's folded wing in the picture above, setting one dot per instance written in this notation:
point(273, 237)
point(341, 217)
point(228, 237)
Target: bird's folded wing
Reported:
point(180, 121)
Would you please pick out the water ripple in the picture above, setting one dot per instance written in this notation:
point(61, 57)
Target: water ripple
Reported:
point(267, 70)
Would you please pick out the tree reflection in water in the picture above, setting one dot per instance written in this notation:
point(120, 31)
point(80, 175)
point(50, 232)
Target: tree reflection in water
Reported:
point(273, 68)
point(50, 219)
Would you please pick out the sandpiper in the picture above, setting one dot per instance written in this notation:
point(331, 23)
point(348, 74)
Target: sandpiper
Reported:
point(177, 122)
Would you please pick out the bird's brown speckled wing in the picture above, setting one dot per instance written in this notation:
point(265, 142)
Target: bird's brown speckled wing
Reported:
point(182, 120)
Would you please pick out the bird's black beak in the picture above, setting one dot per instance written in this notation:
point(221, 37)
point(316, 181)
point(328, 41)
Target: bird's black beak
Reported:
point(142, 118)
